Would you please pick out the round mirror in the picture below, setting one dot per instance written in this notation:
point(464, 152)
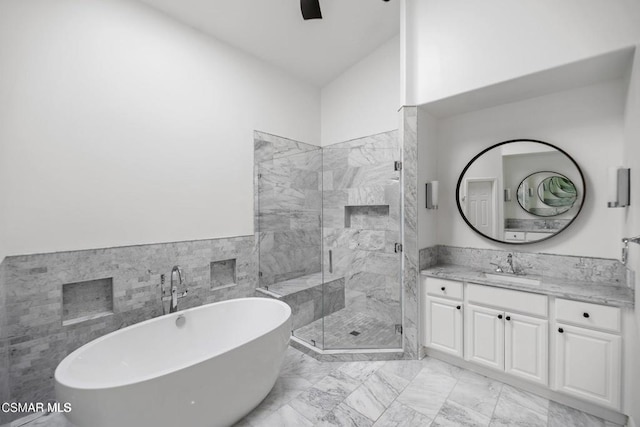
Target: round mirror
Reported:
point(547, 194)
point(520, 191)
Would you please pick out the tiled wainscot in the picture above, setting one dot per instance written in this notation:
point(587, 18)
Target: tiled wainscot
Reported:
point(57, 302)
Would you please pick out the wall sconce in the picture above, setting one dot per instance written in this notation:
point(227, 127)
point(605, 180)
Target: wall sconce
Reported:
point(432, 195)
point(507, 194)
point(618, 187)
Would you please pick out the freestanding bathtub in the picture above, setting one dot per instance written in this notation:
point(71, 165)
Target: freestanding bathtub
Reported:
point(206, 366)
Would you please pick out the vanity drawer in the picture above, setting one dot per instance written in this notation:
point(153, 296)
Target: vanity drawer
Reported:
point(514, 235)
point(594, 316)
point(508, 300)
point(444, 288)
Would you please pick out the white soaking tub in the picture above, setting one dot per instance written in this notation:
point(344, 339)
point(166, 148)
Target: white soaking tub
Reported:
point(210, 371)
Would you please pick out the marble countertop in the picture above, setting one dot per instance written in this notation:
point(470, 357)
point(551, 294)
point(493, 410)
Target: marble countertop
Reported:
point(612, 294)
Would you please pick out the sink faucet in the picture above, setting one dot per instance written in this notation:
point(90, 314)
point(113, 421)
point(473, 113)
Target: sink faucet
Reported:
point(175, 295)
point(498, 267)
point(510, 262)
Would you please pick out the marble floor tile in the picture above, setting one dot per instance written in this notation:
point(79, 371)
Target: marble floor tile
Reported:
point(439, 367)
point(344, 416)
point(360, 370)
point(428, 391)
point(286, 416)
point(399, 415)
point(563, 416)
point(517, 407)
point(337, 384)
point(284, 390)
point(476, 392)
point(407, 369)
point(398, 393)
point(314, 404)
point(524, 399)
point(454, 415)
point(298, 364)
point(373, 397)
point(52, 420)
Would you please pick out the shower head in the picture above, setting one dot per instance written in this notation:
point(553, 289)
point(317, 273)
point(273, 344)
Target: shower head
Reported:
point(310, 9)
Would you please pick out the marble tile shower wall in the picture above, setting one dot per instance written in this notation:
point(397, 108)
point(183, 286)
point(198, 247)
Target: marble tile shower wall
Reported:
point(361, 222)
point(585, 269)
point(35, 336)
point(288, 207)
point(410, 271)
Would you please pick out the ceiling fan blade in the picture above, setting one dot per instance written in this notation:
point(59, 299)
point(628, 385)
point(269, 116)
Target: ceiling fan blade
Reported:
point(310, 9)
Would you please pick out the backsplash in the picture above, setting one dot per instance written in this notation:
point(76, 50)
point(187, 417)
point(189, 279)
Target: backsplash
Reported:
point(35, 339)
point(537, 224)
point(586, 269)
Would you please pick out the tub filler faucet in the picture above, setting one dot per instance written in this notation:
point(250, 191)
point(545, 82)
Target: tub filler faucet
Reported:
point(175, 295)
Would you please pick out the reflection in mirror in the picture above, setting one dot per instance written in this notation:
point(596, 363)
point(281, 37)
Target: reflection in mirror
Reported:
point(546, 194)
point(547, 182)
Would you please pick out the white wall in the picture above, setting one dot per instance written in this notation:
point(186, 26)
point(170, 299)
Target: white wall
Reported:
point(632, 229)
point(364, 100)
point(456, 46)
point(587, 123)
point(120, 126)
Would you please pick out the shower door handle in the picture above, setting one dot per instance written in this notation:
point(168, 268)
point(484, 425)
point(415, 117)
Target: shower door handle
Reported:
point(330, 261)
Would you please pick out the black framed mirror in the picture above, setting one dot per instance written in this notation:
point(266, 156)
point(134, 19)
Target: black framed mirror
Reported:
point(520, 191)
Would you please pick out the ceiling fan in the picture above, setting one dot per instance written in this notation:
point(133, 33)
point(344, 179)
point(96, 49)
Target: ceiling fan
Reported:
point(311, 9)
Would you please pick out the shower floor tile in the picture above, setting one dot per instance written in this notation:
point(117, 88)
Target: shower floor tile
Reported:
point(350, 329)
point(389, 394)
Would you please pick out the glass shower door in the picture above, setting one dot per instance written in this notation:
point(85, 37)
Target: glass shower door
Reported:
point(290, 236)
point(361, 245)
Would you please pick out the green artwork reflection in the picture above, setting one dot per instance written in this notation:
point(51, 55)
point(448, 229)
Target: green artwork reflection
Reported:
point(557, 191)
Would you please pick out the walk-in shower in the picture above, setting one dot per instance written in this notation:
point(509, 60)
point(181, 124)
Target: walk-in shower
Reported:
point(328, 224)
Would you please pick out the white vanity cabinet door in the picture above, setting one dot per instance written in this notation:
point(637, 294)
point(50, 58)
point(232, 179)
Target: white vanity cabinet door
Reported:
point(588, 364)
point(444, 325)
point(525, 347)
point(484, 336)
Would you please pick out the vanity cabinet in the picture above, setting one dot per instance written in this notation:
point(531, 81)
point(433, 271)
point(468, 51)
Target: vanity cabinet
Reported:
point(442, 323)
point(588, 351)
point(568, 346)
point(511, 342)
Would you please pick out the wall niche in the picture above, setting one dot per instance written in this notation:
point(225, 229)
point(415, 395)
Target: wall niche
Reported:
point(86, 300)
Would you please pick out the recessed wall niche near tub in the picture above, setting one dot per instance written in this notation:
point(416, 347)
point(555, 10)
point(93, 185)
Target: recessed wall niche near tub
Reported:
point(223, 273)
point(83, 301)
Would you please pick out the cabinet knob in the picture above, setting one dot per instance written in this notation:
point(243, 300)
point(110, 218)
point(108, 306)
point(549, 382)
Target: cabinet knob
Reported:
point(560, 330)
point(442, 288)
point(586, 315)
point(508, 317)
point(499, 316)
point(458, 307)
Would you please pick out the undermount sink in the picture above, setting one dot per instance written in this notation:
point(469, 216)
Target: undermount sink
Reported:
point(513, 279)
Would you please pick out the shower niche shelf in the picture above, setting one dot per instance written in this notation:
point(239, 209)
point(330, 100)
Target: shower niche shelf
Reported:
point(223, 273)
point(371, 217)
point(82, 301)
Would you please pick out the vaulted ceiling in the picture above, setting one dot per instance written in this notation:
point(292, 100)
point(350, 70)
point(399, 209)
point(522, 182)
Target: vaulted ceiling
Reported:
point(315, 51)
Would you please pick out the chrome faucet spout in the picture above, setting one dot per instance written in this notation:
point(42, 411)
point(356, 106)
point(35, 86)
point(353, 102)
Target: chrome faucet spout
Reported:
point(510, 262)
point(177, 279)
